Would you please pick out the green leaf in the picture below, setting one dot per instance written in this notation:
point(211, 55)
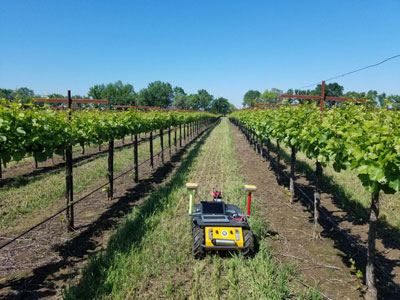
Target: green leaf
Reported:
point(395, 184)
point(18, 155)
point(21, 131)
point(363, 169)
point(376, 174)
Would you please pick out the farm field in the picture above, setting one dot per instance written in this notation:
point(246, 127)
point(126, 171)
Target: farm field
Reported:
point(139, 244)
point(150, 255)
point(183, 150)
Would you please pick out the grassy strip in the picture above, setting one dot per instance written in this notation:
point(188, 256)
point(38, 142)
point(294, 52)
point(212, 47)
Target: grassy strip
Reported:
point(150, 255)
point(27, 195)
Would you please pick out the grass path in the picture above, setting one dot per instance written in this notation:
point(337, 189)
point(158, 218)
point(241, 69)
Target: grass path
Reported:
point(150, 255)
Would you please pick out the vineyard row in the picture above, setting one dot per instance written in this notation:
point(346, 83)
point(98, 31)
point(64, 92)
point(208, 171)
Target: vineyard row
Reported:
point(348, 136)
point(43, 132)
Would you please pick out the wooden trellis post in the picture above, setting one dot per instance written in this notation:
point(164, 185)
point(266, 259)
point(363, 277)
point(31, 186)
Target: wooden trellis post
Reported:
point(162, 144)
point(110, 173)
point(292, 174)
point(135, 158)
point(169, 140)
point(180, 135)
point(151, 149)
point(175, 137)
point(69, 193)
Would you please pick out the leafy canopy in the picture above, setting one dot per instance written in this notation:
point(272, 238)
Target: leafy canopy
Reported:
point(250, 98)
point(221, 106)
point(157, 93)
point(116, 93)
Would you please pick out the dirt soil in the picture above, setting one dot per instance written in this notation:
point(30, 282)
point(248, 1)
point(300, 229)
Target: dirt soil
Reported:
point(40, 264)
point(321, 262)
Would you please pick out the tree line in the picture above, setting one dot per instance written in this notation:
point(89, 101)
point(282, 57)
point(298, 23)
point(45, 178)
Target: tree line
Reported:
point(331, 90)
point(157, 93)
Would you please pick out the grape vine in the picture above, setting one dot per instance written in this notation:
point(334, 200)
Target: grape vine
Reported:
point(43, 132)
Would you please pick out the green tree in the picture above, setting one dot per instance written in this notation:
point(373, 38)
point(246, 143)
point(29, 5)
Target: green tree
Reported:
point(372, 95)
point(250, 98)
point(205, 99)
point(7, 94)
point(24, 91)
point(276, 91)
point(180, 98)
point(354, 95)
point(268, 97)
point(157, 93)
point(77, 97)
point(194, 101)
point(24, 95)
point(178, 91)
point(271, 96)
point(181, 102)
point(331, 90)
point(290, 91)
point(116, 93)
point(56, 96)
point(221, 106)
point(97, 91)
point(120, 94)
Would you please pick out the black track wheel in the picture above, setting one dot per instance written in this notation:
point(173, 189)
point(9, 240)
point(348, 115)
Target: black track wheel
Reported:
point(198, 242)
point(248, 242)
point(194, 225)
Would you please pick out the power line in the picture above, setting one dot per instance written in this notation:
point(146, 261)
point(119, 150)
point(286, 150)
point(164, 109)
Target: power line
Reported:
point(351, 72)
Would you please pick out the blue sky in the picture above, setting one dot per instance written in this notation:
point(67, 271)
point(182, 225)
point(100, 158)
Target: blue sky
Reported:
point(225, 47)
